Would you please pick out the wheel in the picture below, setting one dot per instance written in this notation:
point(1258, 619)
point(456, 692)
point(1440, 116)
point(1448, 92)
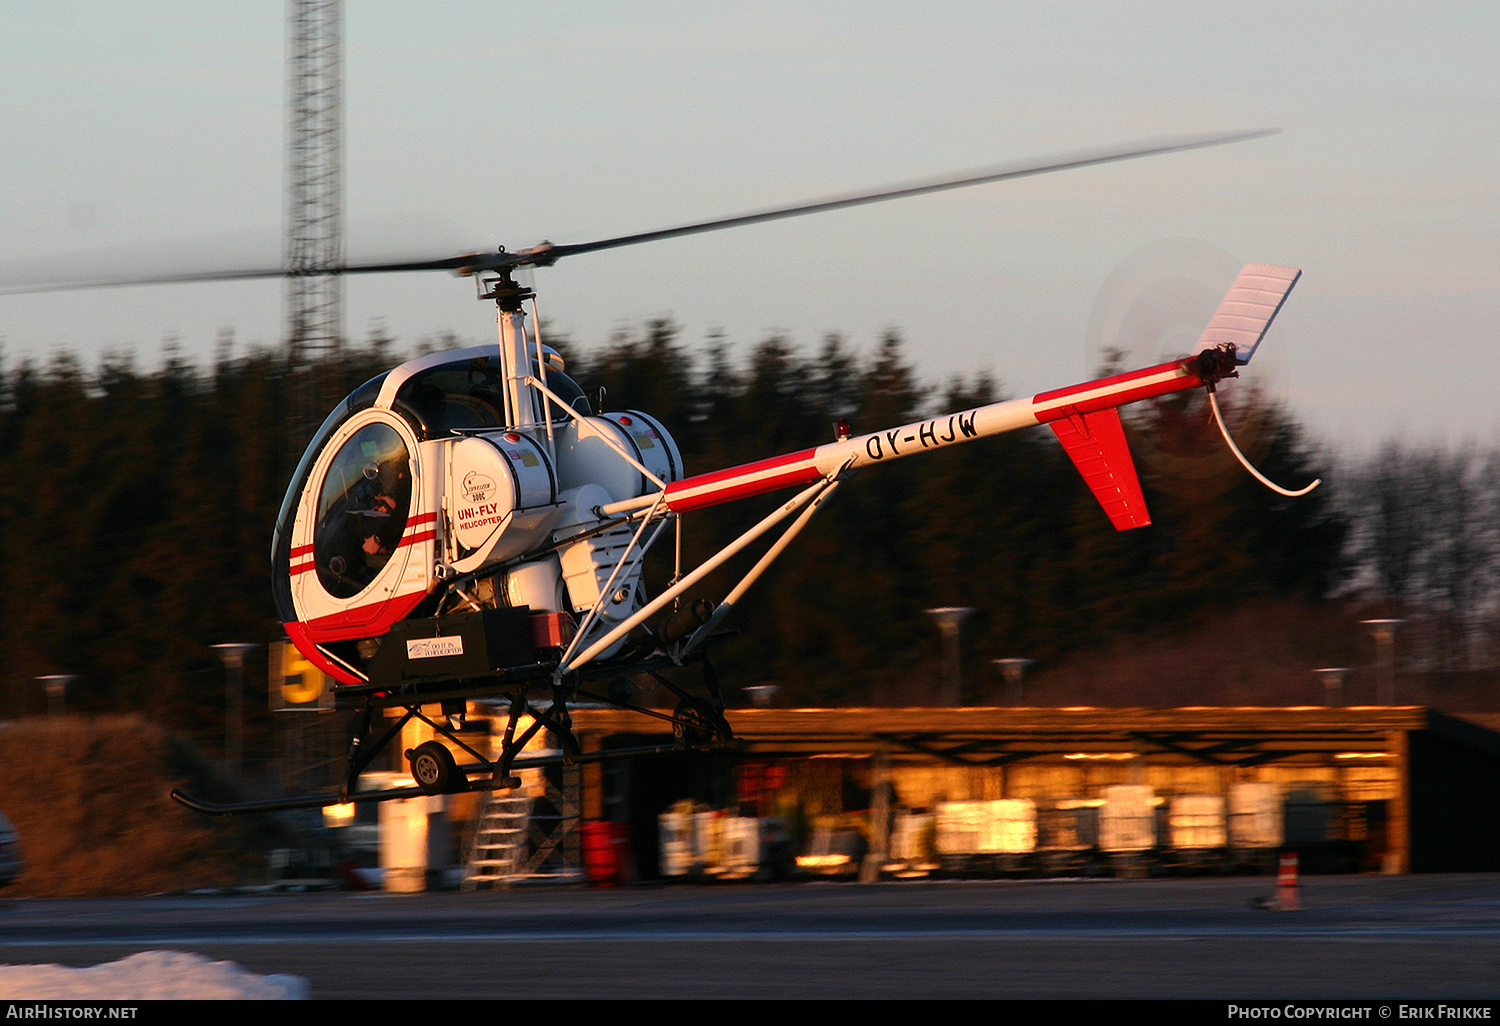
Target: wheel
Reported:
point(433, 768)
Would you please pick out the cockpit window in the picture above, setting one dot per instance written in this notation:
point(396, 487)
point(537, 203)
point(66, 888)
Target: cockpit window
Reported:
point(470, 394)
point(362, 509)
point(467, 394)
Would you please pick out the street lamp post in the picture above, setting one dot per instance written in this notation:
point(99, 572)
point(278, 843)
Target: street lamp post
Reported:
point(1384, 633)
point(950, 621)
point(1014, 671)
point(56, 687)
point(1333, 683)
point(762, 695)
point(233, 656)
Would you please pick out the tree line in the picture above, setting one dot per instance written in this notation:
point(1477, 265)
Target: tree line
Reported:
point(1426, 537)
point(136, 511)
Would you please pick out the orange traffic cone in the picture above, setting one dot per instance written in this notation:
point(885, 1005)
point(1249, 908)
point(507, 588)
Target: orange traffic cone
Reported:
point(1288, 889)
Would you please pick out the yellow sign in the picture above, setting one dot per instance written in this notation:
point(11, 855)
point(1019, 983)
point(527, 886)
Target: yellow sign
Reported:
point(294, 680)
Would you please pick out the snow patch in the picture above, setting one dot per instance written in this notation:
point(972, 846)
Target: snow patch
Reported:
point(146, 976)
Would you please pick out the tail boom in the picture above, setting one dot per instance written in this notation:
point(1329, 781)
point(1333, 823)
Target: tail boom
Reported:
point(1092, 439)
point(835, 458)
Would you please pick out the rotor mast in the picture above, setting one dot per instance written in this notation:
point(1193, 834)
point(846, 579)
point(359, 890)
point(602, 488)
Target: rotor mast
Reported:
point(517, 352)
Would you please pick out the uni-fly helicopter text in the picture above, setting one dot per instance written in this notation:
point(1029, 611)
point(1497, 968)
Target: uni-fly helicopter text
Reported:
point(467, 525)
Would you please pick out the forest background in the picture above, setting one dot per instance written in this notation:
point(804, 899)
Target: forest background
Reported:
point(136, 512)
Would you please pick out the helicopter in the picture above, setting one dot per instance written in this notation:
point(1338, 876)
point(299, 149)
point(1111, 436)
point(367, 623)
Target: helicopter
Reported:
point(468, 526)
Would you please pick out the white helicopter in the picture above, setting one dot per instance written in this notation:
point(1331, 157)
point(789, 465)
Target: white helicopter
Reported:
point(466, 525)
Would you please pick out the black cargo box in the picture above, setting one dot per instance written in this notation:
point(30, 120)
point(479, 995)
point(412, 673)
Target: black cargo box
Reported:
point(458, 646)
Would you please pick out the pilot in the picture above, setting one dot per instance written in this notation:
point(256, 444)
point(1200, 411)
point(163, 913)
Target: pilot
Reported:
point(387, 510)
point(377, 544)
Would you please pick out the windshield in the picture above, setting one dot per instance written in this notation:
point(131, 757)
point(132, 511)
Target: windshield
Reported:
point(469, 394)
point(362, 398)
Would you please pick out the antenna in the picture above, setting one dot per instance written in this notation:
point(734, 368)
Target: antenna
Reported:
point(314, 187)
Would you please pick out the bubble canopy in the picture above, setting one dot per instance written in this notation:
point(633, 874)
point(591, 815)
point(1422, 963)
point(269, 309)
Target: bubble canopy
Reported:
point(364, 499)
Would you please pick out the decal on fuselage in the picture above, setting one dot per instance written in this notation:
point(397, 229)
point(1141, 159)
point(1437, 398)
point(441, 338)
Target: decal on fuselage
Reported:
point(434, 648)
point(479, 515)
point(477, 487)
point(930, 434)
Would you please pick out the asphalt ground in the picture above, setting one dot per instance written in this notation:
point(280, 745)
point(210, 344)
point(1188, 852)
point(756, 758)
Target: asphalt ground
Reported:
point(1367, 937)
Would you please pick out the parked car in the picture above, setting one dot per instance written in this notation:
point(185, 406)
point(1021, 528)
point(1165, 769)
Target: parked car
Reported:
point(10, 852)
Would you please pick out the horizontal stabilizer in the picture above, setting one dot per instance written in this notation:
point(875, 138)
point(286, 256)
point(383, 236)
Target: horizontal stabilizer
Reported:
point(1096, 444)
point(1248, 309)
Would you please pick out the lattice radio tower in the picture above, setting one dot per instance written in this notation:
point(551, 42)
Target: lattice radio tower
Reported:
point(315, 186)
point(314, 246)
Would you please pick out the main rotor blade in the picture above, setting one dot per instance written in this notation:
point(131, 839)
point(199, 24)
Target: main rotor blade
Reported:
point(444, 264)
point(546, 254)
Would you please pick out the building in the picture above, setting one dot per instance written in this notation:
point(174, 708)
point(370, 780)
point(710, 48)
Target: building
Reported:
point(1378, 788)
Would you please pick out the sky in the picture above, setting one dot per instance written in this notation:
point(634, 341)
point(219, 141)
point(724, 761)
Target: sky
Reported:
point(470, 125)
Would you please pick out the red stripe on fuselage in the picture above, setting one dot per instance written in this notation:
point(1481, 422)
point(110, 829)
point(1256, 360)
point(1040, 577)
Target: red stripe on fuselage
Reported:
point(1117, 390)
point(356, 622)
point(737, 482)
point(408, 539)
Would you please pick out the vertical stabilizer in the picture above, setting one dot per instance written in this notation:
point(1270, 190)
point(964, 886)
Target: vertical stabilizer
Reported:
point(1095, 442)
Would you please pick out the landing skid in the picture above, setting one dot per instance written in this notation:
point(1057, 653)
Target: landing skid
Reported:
point(317, 801)
point(698, 724)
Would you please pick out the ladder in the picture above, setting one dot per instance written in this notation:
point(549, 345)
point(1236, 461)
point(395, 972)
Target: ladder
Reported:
point(521, 838)
point(497, 856)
